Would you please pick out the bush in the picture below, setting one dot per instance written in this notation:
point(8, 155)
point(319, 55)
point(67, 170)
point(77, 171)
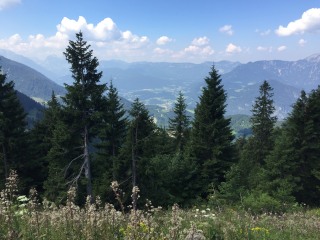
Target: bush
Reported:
point(260, 202)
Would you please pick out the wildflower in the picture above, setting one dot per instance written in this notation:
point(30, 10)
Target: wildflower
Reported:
point(260, 229)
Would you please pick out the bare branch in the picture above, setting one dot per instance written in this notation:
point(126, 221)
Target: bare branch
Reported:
point(67, 167)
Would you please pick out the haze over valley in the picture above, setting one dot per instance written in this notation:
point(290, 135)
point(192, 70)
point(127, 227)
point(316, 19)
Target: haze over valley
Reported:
point(158, 83)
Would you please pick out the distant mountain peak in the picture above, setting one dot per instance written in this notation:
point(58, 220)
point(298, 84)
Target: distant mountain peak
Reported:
point(313, 58)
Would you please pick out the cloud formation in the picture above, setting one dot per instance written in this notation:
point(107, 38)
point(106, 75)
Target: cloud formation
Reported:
point(231, 48)
point(227, 29)
point(201, 41)
point(105, 35)
point(8, 3)
point(302, 42)
point(309, 22)
point(282, 48)
point(260, 48)
point(163, 40)
point(199, 47)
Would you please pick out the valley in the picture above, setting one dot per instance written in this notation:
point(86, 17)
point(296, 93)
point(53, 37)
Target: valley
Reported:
point(157, 84)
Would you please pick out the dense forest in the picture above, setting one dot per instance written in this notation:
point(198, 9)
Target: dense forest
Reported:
point(87, 140)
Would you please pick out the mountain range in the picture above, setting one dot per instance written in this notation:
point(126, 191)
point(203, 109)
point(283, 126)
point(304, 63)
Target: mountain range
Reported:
point(158, 83)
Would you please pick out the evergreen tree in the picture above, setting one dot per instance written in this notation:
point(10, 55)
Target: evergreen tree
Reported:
point(113, 131)
point(303, 130)
point(51, 143)
point(179, 125)
point(40, 139)
point(246, 176)
point(111, 135)
point(59, 173)
point(139, 147)
point(84, 99)
point(141, 129)
point(12, 132)
point(263, 121)
point(211, 134)
point(279, 180)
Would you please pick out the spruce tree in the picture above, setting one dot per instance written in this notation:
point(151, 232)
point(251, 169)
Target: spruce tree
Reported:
point(179, 125)
point(112, 133)
point(141, 128)
point(113, 130)
point(50, 140)
point(13, 129)
point(84, 99)
point(138, 148)
point(247, 176)
point(263, 121)
point(40, 139)
point(211, 134)
point(303, 130)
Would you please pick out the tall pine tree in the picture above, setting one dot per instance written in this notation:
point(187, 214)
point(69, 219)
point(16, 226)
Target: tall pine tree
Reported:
point(179, 125)
point(263, 121)
point(13, 129)
point(212, 137)
point(112, 133)
point(303, 131)
point(246, 175)
point(138, 148)
point(84, 98)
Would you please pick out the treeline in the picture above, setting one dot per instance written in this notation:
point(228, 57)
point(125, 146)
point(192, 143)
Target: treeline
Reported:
point(87, 140)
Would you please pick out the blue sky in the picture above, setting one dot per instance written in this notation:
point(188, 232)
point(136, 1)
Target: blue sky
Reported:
point(173, 31)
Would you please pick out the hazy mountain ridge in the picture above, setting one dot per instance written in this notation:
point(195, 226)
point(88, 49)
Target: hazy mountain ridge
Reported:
point(29, 81)
point(158, 83)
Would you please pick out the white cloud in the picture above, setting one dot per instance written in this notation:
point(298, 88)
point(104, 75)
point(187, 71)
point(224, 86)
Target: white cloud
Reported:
point(260, 48)
point(163, 40)
point(161, 51)
point(264, 49)
point(8, 3)
point(226, 29)
point(309, 22)
point(108, 42)
point(231, 48)
point(201, 41)
point(192, 49)
point(302, 42)
point(103, 31)
point(199, 50)
point(281, 48)
point(104, 36)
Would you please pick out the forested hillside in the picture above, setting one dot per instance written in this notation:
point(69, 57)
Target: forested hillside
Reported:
point(88, 140)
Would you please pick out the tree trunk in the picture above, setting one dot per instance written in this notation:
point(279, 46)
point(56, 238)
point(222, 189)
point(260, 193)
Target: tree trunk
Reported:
point(114, 175)
point(134, 168)
point(87, 166)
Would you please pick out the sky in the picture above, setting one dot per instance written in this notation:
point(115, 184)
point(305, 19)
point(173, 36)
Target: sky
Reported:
point(164, 30)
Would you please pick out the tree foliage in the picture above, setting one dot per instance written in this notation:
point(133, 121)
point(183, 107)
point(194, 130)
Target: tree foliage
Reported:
point(12, 129)
point(179, 125)
point(84, 99)
point(211, 139)
point(263, 121)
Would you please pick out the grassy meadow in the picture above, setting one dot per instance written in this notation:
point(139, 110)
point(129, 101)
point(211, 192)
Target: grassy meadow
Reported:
point(25, 217)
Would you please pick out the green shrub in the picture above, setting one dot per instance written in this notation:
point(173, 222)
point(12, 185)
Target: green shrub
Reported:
point(260, 202)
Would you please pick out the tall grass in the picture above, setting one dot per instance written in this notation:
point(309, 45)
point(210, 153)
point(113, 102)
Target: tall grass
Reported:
point(24, 217)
